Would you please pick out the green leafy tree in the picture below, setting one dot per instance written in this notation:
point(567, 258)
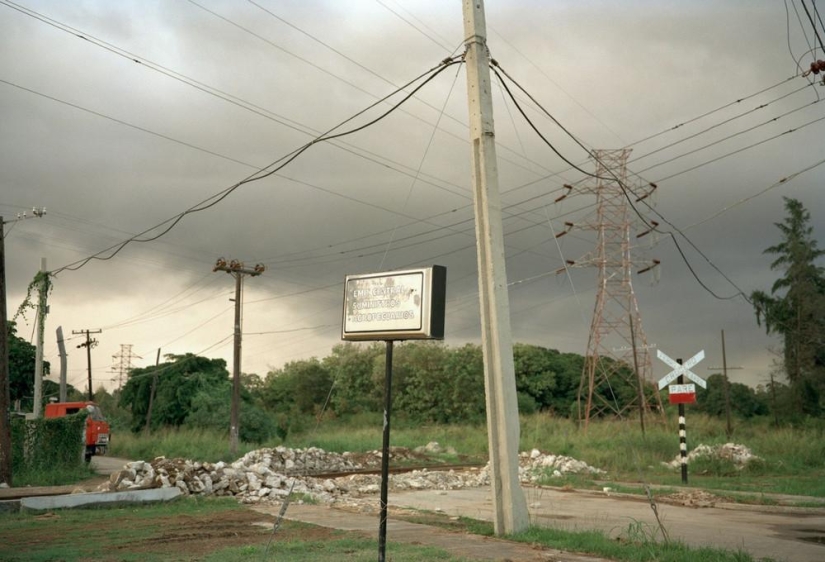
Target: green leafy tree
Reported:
point(210, 409)
point(21, 369)
point(744, 401)
point(351, 367)
point(300, 385)
point(179, 379)
point(795, 307)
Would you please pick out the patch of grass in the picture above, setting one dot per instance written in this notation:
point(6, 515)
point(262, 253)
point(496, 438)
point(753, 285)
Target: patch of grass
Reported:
point(636, 544)
point(60, 476)
point(188, 529)
point(350, 549)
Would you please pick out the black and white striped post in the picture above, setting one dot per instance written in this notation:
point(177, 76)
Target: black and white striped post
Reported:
point(681, 394)
point(682, 435)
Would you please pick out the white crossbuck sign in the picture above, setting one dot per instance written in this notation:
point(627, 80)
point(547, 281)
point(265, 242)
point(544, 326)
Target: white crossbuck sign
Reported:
point(683, 369)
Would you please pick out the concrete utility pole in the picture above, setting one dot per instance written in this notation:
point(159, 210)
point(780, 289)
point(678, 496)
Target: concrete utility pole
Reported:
point(42, 310)
point(509, 506)
point(88, 344)
point(61, 349)
point(237, 270)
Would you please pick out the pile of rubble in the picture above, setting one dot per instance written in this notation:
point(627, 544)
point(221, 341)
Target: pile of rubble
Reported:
point(739, 455)
point(536, 465)
point(275, 473)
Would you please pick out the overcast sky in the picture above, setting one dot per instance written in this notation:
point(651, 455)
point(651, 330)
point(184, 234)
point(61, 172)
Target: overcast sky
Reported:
point(119, 115)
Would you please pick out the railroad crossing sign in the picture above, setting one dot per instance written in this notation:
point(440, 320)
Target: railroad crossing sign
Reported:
point(679, 370)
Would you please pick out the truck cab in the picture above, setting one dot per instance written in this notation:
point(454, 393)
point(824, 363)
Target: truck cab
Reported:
point(96, 434)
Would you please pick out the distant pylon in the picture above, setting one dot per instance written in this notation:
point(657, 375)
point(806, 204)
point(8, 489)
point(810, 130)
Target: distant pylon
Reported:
point(617, 347)
point(123, 362)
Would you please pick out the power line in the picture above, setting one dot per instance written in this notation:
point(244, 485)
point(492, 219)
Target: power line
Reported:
point(627, 193)
point(277, 165)
point(813, 24)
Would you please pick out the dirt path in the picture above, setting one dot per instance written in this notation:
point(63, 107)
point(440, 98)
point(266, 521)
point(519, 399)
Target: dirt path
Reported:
point(788, 534)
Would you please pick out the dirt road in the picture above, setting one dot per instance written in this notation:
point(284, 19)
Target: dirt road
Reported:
point(787, 534)
point(107, 465)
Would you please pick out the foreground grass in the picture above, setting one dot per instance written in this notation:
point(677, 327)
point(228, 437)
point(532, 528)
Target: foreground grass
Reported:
point(189, 529)
point(53, 477)
point(636, 544)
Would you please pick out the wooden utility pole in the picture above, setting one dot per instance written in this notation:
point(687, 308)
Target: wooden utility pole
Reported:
point(42, 310)
point(509, 506)
point(237, 270)
point(88, 344)
point(148, 427)
point(5, 393)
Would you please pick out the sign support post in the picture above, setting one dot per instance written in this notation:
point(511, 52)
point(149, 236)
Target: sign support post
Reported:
point(681, 394)
point(683, 435)
point(393, 306)
point(385, 455)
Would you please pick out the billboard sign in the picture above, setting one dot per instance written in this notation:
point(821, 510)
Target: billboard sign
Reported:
point(395, 305)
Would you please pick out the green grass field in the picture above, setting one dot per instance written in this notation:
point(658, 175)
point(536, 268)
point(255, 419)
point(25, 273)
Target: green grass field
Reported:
point(793, 458)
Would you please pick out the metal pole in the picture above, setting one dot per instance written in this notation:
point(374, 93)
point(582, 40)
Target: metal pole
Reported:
point(639, 379)
point(37, 407)
point(729, 427)
point(682, 434)
point(5, 394)
point(385, 455)
point(509, 506)
point(234, 416)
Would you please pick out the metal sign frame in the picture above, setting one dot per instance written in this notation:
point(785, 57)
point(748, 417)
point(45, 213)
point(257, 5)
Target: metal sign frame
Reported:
point(395, 305)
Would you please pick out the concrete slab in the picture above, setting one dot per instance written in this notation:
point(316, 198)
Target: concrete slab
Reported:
point(99, 498)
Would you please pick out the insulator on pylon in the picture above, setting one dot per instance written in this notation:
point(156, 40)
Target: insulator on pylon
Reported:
point(654, 264)
point(568, 264)
point(568, 228)
point(653, 225)
point(260, 268)
point(235, 264)
point(569, 188)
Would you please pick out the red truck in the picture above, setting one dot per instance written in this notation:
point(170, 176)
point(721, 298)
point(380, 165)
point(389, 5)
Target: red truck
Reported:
point(97, 428)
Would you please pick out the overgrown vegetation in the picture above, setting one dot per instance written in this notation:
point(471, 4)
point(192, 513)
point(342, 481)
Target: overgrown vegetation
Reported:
point(49, 450)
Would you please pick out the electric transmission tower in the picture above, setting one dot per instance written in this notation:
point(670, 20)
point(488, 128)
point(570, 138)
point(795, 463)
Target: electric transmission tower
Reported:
point(123, 362)
point(617, 348)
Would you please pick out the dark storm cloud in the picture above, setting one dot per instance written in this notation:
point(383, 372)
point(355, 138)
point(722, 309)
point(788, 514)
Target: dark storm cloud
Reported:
point(612, 74)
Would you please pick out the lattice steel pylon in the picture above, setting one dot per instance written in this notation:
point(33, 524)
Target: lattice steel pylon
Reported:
point(617, 347)
point(123, 362)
